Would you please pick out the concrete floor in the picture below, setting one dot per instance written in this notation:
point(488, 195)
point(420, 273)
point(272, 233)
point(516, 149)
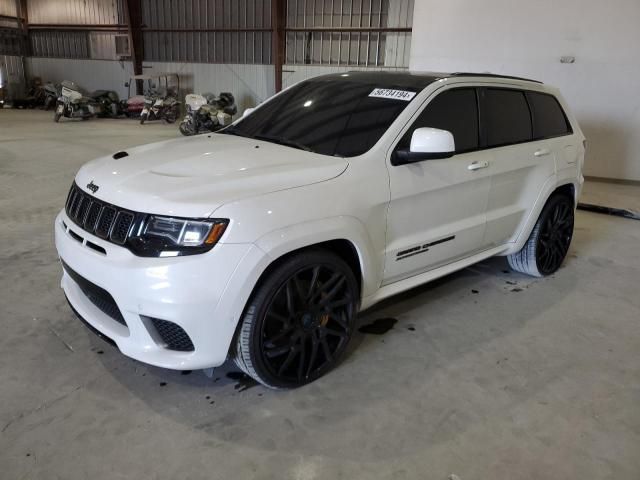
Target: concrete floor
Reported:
point(486, 375)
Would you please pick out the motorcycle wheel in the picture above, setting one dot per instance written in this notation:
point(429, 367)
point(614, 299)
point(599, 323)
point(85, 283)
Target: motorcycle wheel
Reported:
point(186, 129)
point(143, 118)
point(56, 117)
point(172, 114)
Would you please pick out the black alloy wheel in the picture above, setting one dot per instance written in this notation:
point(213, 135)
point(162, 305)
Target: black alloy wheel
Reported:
point(300, 322)
point(554, 237)
point(549, 241)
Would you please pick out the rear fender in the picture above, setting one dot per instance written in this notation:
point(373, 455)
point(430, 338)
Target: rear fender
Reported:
point(551, 185)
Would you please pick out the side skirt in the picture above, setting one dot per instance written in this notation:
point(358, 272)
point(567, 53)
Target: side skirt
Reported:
point(412, 282)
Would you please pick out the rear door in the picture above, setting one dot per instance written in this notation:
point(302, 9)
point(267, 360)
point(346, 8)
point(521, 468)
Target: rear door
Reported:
point(437, 207)
point(520, 165)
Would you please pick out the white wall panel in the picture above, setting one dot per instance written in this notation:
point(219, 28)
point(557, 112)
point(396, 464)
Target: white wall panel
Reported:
point(527, 38)
point(250, 84)
point(8, 8)
point(74, 11)
point(89, 74)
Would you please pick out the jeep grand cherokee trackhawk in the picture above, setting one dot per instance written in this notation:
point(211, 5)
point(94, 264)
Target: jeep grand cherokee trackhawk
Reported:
point(261, 242)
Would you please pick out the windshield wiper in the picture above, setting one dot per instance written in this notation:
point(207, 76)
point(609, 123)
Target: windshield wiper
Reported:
point(283, 141)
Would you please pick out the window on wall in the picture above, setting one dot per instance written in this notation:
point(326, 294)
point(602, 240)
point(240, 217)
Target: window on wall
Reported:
point(506, 116)
point(364, 33)
point(455, 111)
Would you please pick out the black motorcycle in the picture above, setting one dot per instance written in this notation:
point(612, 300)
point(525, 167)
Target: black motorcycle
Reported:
point(207, 113)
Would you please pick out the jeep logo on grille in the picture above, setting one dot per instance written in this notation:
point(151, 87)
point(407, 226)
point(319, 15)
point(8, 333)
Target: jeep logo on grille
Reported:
point(92, 186)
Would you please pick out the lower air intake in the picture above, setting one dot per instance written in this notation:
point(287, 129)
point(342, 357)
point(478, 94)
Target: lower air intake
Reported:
point(173, 335)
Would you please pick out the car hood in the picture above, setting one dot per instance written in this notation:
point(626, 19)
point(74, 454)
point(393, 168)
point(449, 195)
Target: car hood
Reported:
point(192, 177)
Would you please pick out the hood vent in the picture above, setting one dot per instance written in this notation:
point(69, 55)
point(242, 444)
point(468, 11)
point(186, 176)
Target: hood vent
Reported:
point(119, 155)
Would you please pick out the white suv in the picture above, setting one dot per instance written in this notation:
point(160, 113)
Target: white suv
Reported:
point(261, 242)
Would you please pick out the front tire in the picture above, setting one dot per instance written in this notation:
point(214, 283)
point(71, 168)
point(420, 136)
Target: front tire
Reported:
point(143, 118)
point(299, 320)
point(549, 241)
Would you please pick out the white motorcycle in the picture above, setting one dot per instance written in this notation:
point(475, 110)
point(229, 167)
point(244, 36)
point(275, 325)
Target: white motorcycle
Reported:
point(162, 106)
point(207, 113)
point(73, 103)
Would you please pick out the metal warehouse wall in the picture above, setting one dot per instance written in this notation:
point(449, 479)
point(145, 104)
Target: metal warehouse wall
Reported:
point(89, 12)
point(89, 74)
point(184, 44)
point(13, 68)
point(250, 84)
point(8, 8)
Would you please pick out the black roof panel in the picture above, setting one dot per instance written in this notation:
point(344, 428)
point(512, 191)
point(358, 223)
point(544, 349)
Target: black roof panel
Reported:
point(406, 79)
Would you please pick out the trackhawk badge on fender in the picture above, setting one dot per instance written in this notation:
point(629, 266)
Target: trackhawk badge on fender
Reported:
point(92, 186)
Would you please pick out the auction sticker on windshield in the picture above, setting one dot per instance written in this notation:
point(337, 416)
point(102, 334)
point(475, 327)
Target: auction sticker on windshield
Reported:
point(392, 94)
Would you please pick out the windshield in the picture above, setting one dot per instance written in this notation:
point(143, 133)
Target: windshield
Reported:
point(327, 115)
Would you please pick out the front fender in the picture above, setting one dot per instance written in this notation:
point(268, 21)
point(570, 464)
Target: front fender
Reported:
point(285, 240)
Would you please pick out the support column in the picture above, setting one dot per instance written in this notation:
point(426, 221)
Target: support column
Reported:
point(133, 14)
point(278, 26)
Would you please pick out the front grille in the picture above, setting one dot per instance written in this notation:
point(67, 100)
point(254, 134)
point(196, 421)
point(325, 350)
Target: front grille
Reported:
point(173, 335)
point(96, 295)
point(100, 218)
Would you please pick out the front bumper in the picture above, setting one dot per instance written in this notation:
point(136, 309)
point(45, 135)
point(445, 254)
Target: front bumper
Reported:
point(203, 294)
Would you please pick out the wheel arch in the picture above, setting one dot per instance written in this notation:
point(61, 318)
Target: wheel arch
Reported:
point(552, 187)
point(344, 236)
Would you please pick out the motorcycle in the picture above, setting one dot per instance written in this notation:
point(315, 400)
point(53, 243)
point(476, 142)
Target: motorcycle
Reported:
point(35, 95)
point(108, 102)
point(51, 94)
point(162, 106)
point(206, 113)
point(72, 103)
point(133, 105)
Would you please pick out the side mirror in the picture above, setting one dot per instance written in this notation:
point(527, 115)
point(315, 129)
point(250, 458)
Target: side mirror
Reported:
point(426, 144)
point(247, 111)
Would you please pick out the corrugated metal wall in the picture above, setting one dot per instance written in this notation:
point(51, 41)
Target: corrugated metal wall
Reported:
point(251, 46)
point(333, 47)
point(87, 12)
point(59, 44)
point(8, 8)
point(75, 44)
point(13, 68)
point(250, 84)
point(89, 74)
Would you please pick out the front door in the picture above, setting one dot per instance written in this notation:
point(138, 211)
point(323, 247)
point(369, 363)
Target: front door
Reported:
point(437, 211)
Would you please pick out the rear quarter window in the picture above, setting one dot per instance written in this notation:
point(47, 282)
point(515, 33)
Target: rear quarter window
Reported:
point(549, 120)
point(507, 117)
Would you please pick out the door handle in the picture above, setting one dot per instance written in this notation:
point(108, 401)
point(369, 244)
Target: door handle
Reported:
point(477, 165)
point(542, 152)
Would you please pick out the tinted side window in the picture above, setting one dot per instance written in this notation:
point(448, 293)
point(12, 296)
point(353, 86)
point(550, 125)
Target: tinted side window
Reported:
point(455, 111)
point(548, 118)
point(507, 117)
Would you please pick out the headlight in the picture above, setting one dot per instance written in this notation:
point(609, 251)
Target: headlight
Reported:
point(171, 237)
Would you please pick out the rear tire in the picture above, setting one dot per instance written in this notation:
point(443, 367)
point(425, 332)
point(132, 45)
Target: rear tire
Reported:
point(299, 320)
point(549, 241)
point(172, 114)
point(186, 129)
